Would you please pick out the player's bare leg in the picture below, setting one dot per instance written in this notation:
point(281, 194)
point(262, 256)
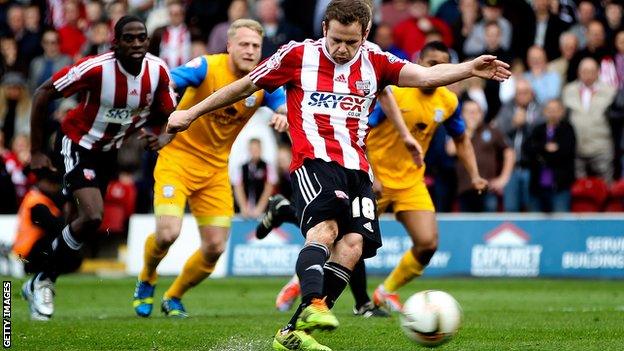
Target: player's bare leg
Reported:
point(423, 229)
point(198, 267)
point(156, 247)
point(39, 290)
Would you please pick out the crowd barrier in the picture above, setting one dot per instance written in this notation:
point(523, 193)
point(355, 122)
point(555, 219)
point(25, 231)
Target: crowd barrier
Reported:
point(492, 245)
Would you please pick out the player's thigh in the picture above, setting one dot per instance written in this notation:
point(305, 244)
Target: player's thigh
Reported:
point(320, 195)
point(421, 227)
point(414, 209)
point(211, 201)
point(362, 216)
point(171, 188)
point(213, 239)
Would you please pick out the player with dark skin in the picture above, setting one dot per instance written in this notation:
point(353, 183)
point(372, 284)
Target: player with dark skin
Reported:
point(89, 167)
point(130, 50)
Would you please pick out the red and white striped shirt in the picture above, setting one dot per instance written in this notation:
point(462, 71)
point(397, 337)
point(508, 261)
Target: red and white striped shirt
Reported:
point(175, 45)
point(112, 102)
point(328, 103)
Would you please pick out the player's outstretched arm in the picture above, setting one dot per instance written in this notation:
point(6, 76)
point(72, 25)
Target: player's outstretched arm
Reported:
point(391, 109)
point(484, 66)
point(229, 94)
point(44, 94)
point(465, 153)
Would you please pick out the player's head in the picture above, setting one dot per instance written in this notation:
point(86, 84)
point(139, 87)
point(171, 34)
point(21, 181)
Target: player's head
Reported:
point(472, 113)
point(131, 41)
point(244, 44)
point(433, 53)
point(345, 28)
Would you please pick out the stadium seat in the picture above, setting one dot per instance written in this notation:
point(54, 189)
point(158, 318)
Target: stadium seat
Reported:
point(615, 201)
point(589, 194)
point(119, 204)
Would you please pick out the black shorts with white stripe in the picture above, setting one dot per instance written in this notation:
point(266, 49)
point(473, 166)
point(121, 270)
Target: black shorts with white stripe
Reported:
point(83, 168)
point(327, 191)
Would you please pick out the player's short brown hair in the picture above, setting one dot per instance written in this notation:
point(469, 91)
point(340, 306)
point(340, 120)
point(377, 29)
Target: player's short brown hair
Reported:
point(245, 23)
point(347, 12)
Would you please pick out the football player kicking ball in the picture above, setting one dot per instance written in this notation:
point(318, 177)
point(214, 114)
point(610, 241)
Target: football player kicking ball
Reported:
point(193, 166)
point(400, 181)
point(119, 92)
point(331, 85)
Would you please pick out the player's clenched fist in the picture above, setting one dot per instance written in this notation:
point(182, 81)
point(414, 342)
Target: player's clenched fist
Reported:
point(179, 121)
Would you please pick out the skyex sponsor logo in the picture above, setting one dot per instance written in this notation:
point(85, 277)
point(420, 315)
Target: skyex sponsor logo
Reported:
point(506, 252)
point(328, 102)
point(601, 252)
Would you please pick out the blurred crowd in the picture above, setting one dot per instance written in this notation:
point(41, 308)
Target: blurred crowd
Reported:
point(549, 139)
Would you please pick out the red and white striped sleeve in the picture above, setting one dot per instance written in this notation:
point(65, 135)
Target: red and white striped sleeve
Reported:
point(387, 67)
point(278, 69)
point(72, 79)
point(165, 98)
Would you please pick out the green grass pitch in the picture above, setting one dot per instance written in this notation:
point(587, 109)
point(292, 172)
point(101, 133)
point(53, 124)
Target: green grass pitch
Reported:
point(238, 314)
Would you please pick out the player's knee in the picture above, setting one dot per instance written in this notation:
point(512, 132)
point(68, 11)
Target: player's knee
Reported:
point(166, 234)
point(212, 251)
point(324, 233)
point(425, 251)
point(349, 250)
point(91, 221)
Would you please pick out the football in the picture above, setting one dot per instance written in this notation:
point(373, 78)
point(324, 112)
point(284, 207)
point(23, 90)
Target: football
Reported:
point(431, 317)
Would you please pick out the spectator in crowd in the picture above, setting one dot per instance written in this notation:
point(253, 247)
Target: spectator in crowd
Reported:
point(449, 11)
point(32, 19)
point(612, 21)
point(277, 30)
point(52, 60)
point(493, 46)
point(72, 37)
point(595, 48)
point(284, 183)
point(8, 205)
point(255, 183)
point(588, 99)
point(547, 29)
point(94, 12)
point(198, 47)
point(38, 220)
point(115, 10)
point(217, 42)
point(15, 163)
point(409, 35)
point(383, 38)
point(517, 120)
point(394, 12)
point(618, 58)
point(27, 41)
point(568, 44)
point(172, 43)
point(8, 50)
point(586, 14)
point(477, 41)
point(99, 39)
point(14, 107)
point(463, 27)
point(546, 84)
point(551, 150)
point(495, 161)
point(471, 89)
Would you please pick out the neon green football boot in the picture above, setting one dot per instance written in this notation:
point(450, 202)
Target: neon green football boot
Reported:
point(317, 316)
point(296, 340)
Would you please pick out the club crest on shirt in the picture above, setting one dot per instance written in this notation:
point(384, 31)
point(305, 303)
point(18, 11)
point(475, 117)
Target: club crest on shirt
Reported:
point(364, 86)
point(438, 115)
point(273, 62)
point(168, 191)
point(250, 101)
point(341, 194)
point(89, 174)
